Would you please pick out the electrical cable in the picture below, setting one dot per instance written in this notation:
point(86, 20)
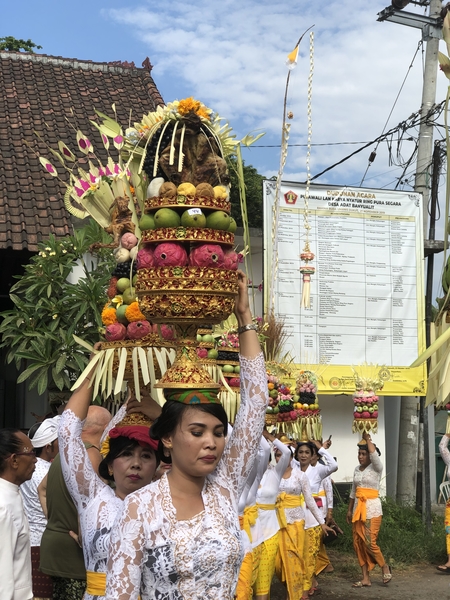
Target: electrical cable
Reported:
point(374, 152)
point(415, 120)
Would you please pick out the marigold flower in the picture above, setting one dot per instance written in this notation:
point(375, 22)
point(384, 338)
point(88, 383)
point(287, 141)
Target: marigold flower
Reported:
point(109, 316)
point(132, 313)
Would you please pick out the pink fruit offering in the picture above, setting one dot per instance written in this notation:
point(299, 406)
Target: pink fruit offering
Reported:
point(366, 414)
point(167, 332)
point(138, 329)
point(170, 254)
point(115, 332)
point(375, 414)
point(293, 414)
point(234, 382)
point(231, 260)
point(207, 255)
point(128, 240)
point(144, 258)
point(202, 352)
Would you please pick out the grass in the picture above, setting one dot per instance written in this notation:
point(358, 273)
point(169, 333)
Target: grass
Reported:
point(402, 538)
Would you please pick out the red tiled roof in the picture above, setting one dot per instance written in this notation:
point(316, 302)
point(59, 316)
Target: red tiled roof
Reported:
point(39, 93)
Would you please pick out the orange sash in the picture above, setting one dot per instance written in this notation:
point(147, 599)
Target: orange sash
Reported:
point(363, 494)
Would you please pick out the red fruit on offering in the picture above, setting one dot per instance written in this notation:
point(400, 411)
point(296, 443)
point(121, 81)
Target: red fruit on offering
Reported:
point(167, 332)
point(202, 352)
point(231, 260)
point(170, 254)
point(144, 259)
point(115, 332)
point(207, 255)
point(138, 329)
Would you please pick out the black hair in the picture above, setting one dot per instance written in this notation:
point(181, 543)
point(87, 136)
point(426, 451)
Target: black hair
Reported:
point(310, 445)
point(366, 449)
point(171, 416)
point(117, 446)
point(9, 444)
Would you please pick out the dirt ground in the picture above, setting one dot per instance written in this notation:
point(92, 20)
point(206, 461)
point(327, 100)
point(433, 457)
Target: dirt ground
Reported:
point(422, 582)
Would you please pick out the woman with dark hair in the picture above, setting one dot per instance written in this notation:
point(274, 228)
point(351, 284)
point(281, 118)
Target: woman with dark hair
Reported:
point(365, 513)
point(313, 532)
point(129, 462)
point(294, 500)
point(180, 536)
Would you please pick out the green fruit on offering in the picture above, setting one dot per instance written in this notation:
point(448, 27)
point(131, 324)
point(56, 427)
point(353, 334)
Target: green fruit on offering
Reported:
point(146, 222)
point(276, 410)
point(233, 226)
point(213, 354)
point(207, 338)
point(237, 369)
point(199, 337)
point(120, 314)
point(167, 217)
point(273, 393)
point(133, 281)
point(269, 410)
point(218, 220)
point(129, 295)
point(228, 368)
point(122, 284)
point(295, 397)
point(193, 217)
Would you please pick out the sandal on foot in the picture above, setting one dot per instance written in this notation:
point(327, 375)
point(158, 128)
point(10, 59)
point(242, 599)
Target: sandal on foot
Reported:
point(360, 584)
point(443, 569)
point(387, 576)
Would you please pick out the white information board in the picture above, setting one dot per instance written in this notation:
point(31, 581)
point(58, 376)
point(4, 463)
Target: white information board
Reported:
point(367, 293)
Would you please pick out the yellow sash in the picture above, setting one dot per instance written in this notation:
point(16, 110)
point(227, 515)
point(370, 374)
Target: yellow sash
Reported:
point(363, 494)
point(248, 519)
point(321, 493)
point(266, 506)
point(286, 501)
point(95, 583)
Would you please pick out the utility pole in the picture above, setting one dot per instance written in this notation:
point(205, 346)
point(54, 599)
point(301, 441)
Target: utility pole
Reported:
point(409, 442)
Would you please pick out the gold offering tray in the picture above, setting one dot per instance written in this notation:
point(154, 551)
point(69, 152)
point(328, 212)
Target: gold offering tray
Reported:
point(188, 202)
point(188, 234)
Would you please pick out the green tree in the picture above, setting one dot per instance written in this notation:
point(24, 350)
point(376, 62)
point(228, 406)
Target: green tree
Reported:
point(49, 310)
point(253, 192)
point(14, 45)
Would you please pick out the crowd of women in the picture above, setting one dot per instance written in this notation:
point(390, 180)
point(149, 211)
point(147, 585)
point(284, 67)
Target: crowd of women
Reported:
point(232, 507)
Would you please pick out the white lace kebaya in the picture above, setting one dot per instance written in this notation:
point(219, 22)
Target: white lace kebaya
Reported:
point(96, 502)
point(155, 555)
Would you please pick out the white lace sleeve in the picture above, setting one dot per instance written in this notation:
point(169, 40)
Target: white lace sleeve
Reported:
point(444, 451)
point(126, 553)
point(377, 465)
point(283, 463)
point(328, 488)
point(119, 416)
point(309, 500)
point(81, 479)
point(331, 465)
point(241, 450)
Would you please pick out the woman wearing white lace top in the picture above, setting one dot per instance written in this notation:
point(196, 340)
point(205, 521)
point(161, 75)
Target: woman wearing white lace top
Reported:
point(365, 513)
point(179, 538)
point(445, 454)
point(267, 516)
point(130, 463)
point(294, 500)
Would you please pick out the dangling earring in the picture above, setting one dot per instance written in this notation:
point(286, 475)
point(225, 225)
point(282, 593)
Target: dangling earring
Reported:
point(110, 471)
point(166, 450)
